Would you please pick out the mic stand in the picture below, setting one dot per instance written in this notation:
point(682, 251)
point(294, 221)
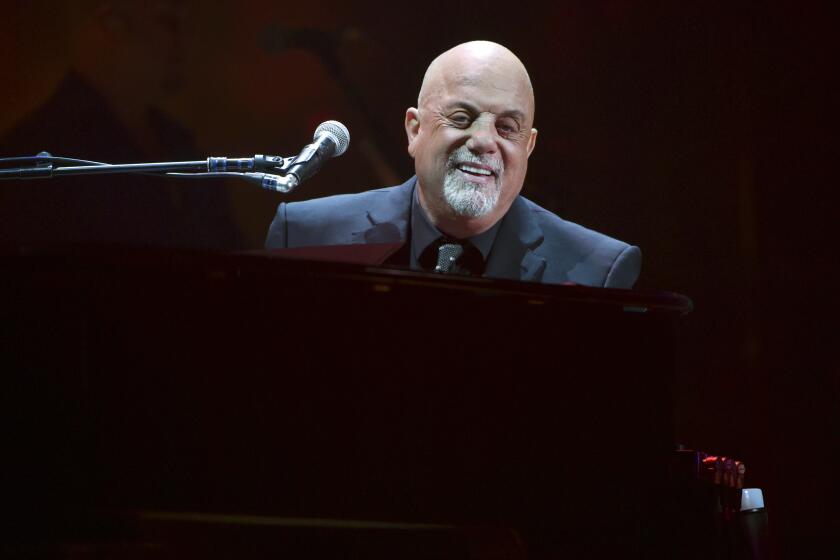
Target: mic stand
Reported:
point(270, 172)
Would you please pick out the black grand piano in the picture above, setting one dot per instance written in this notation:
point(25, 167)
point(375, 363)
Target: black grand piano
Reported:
point(183, 404)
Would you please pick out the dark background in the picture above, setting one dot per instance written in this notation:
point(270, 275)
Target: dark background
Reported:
point(695, 132)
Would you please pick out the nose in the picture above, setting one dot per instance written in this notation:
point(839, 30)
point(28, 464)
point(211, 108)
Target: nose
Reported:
point(483, 137)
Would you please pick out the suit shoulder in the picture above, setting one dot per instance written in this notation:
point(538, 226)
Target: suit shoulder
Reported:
point(334, 220)
point(585, 256)
point(556, 229)
point(337, 206)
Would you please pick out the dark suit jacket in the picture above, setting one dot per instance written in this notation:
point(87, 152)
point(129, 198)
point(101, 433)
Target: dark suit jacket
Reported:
point(532, 244)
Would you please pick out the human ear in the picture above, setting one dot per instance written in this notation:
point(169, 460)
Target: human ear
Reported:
point(412, 127)
point(532, 141)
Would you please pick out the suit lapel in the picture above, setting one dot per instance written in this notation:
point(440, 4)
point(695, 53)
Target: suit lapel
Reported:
point(387, 221)
point(515, 252)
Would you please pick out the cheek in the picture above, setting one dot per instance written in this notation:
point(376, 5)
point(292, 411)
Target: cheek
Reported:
point(417, 147)
point(430, 153)
point(515, 158)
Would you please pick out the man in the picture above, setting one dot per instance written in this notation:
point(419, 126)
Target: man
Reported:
point(470, 135)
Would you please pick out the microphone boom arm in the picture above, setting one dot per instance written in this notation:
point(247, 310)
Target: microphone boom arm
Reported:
point(270, 172)
point(273, 173)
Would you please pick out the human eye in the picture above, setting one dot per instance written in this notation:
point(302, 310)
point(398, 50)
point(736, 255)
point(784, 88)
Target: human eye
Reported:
point(460, 118)
point(507, 127)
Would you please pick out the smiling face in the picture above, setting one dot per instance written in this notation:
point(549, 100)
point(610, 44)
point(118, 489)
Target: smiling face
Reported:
point(471, 136)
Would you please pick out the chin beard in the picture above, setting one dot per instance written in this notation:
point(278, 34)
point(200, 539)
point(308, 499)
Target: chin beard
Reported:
point(466, 198)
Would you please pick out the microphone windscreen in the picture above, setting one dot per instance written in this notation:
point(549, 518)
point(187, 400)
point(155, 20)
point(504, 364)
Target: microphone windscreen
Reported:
point(338, 131)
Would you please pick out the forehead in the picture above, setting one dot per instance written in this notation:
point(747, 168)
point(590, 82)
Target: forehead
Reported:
point(495, 88)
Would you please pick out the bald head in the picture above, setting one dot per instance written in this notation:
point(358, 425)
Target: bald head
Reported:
point(469, 63)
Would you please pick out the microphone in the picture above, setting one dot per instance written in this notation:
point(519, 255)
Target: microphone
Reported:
point(330, 140)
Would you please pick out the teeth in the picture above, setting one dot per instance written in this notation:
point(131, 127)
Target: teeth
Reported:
point(475, 170)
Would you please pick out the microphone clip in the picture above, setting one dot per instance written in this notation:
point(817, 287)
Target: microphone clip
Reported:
point(259, 163)
point(270, 172)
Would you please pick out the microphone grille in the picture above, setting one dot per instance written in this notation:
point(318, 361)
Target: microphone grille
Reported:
point(338, 131)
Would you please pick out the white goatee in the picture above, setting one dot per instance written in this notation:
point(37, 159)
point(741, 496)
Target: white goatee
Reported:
point(465, 198)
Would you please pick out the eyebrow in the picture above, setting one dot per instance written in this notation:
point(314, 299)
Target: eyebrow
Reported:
point(514, 113)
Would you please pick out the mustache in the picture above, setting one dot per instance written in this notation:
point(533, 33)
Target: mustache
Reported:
point(464, 155)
